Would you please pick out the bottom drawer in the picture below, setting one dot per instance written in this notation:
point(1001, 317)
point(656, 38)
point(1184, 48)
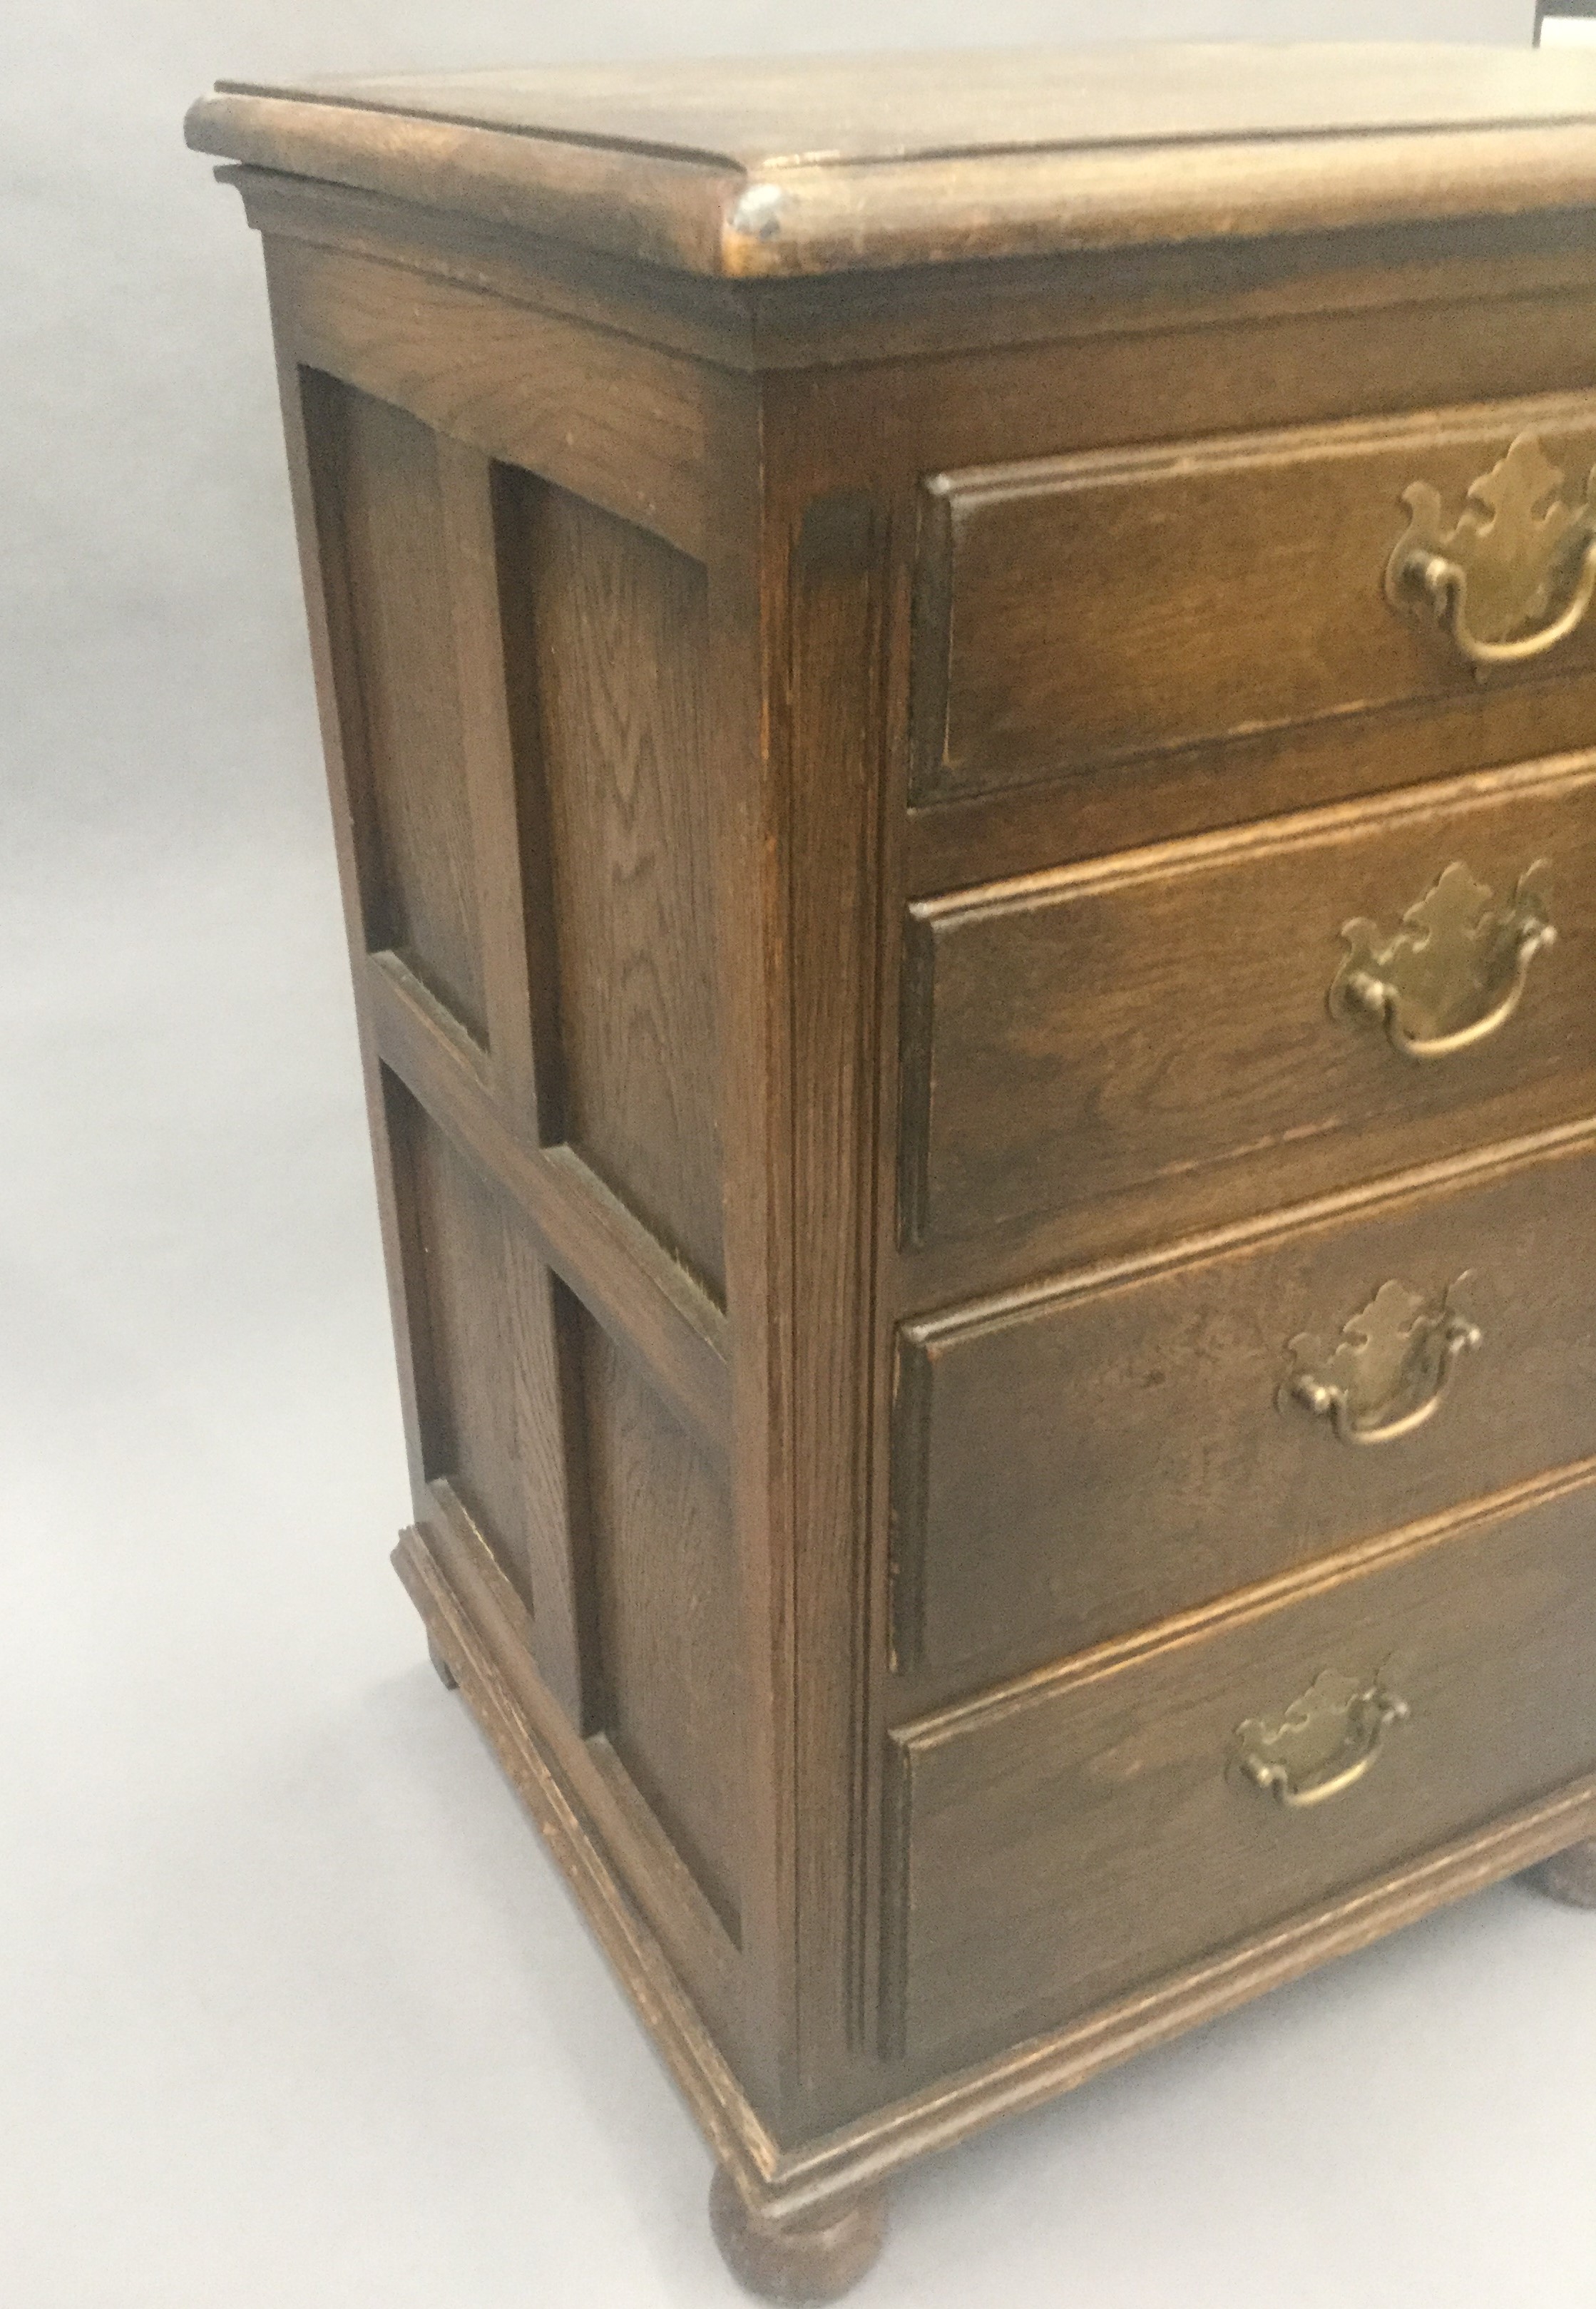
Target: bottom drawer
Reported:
point(1091, 1828)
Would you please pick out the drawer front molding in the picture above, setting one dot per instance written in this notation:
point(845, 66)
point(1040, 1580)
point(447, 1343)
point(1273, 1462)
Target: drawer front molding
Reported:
point(1107, 1449)
point(1215, 1019)
point(1081, 1831)
point(1076, 614)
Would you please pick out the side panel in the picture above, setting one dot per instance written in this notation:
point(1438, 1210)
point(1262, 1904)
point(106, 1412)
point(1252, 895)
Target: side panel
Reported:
point(385, 541)
point(609, 639)
point(491, 1336)
point(665, 1592)
point(514, 681)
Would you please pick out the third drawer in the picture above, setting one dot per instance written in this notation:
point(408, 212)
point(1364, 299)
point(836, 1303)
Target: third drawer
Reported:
point(1129, 1442)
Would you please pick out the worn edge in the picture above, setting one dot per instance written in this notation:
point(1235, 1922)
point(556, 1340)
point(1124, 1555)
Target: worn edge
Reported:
point(716, 220)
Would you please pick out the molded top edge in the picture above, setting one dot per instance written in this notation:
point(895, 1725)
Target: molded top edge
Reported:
point(815, 164)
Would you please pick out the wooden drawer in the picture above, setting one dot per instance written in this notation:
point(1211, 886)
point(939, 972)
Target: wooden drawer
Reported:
point(1166, 1017)
point(1077, 613)
point(1081, 1833)
point(1094, 1456)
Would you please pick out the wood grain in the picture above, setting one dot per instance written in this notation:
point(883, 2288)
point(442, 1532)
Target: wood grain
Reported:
point(648, 1912)
point(1085, 1831)
point(382, 513)
point(612, 626)
point(610, 1260)
point(667, 1602)
point(1056, 1050)
point(1135, 388)
point(934, 2114)
point(1116, 1446)
point(926, 106)
point(811, 165)
point(472, 1105)
point(500, 1417)
point(591, 410)
point(468, 540)
point(757, 327)
point(1078, 613)
point(1025, 829)
point(664, 531)
point(834, 542)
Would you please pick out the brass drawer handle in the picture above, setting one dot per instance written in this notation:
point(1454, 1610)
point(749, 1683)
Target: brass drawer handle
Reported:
point(1326, 1741)
point(1509, 555)
point(1387, 1373)
point(1453, 956)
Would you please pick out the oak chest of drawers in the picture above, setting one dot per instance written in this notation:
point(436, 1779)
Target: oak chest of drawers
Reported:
point(963, 734)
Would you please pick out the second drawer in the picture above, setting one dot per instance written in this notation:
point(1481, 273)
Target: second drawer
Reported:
point(1204, 1018)
point(1125, 1445)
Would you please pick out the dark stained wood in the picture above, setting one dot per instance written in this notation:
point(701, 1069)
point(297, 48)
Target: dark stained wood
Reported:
point(500, 1418)
point(645, 1909)
point(930, 107)
point(1118, 389)
point(1069, 1837)
point(1056, 1049)
point(614, 421)
point(832, 544)
point(818, 2258)
point(666, 1598)
point(1077, 613)
point(760, 325)
point(383, 519)
point(612, 577)
point(1114, 1448)
point(483, 1126)
point(821, 164)
point(468, 540)
point(611, 625)
point(833, 2165)
point(1025, 829)
point(745, 812)
point(610, 1260)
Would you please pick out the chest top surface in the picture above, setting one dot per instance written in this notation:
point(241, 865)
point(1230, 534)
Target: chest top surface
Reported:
point(819, 164)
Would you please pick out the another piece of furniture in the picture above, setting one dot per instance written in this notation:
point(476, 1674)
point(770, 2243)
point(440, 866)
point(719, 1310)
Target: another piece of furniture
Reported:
point(960, 694)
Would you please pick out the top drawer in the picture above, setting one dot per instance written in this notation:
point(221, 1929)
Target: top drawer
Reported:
point(1077, 612)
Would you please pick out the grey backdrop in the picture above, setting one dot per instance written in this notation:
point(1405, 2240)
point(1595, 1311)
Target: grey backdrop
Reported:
point(291, 2008)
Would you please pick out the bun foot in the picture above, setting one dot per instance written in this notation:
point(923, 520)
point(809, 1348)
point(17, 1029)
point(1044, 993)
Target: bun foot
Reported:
point(813, 2257)
point(1567, 1876)
point(446, 1673)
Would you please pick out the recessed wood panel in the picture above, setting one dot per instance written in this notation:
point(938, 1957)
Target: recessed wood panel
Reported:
point(1077, 612)
point(1062, 1043)
point(606, 640)
point(1111, 1451)
point(381, 506)
point(1079, 1834)
point(493, 1336)
point(667, 1593)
